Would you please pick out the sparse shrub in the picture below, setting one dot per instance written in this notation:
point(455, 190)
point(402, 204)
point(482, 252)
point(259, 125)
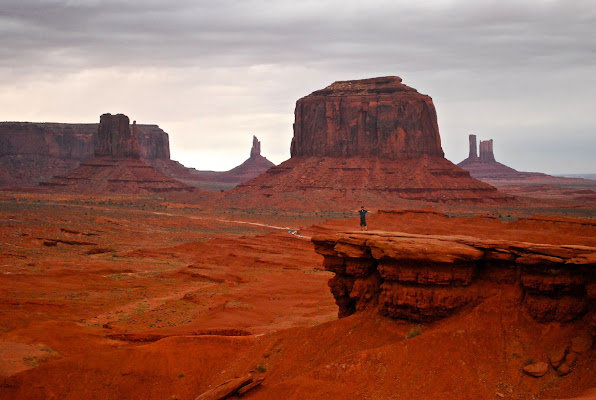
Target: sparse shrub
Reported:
point(415, 331)
point(261, 368)
point(529, 361)
point(181, 375)
point(30, 361)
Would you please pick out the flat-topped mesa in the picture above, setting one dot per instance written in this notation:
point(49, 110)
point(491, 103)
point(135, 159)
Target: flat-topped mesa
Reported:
point(372, 140)
point(115, 138)
point(377, 117)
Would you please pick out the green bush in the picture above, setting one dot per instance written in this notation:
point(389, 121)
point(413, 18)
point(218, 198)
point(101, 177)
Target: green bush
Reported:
point(415, 331)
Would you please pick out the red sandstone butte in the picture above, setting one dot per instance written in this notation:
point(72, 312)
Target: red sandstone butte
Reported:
point(378, 117)
point(115, 138)
point(373, 141)
point(116, 167)
point(33, 152)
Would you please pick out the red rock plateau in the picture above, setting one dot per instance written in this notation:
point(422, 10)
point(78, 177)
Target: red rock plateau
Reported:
point(158, 297)
point(255, 165)
point(366, 141)
point(528, 184)
point(31, 152)
point(116, 167)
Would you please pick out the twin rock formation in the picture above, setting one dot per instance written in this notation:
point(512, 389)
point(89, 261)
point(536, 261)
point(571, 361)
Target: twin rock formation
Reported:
point(485, 166)
point(369, 141)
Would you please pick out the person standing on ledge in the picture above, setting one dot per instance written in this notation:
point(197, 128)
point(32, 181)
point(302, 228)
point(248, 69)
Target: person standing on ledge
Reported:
point(362, 213)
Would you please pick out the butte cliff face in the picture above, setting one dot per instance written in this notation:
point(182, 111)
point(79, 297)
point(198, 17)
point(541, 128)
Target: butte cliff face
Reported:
point(115, 138)
point(33, 152)
point(116, 167)
point(378, 117)
point(373, 141)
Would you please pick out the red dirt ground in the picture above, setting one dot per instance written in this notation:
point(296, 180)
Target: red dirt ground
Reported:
point(126, 297)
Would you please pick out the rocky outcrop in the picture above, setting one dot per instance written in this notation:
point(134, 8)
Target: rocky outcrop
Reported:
point(379, 117)
point(116, 167)
point(115, 138)
point(424, 277)
point(255, 165)
point(33, 152)
point(473, 147)
point(485, 166)
point(255, 150)
point(486, 151)
point(525, 184)
point(372, 140)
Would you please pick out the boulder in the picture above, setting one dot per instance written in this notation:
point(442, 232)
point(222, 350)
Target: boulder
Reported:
point(557, 356)
point(536, 370)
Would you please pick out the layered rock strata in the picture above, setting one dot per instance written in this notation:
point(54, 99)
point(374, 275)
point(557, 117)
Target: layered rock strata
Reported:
point(32, 152)
point(116, 167)
point(423, 277)
point(379, 117)
point(115, 138)
point(372, 140)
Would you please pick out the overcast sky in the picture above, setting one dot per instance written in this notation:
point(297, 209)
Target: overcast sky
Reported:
point(213, 73)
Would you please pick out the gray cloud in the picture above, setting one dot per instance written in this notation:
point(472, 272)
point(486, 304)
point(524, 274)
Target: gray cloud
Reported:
point(491, 66)
point(233, 33)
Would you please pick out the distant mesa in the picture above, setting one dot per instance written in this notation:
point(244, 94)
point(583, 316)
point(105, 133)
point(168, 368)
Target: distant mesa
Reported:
point(372, 140)
point(33, 152)
point(116, 167)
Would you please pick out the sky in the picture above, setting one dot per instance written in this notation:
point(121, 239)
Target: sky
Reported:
point(214, 73)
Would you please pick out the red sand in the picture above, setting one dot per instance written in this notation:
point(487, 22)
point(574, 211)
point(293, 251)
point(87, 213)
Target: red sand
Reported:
point(135, 297)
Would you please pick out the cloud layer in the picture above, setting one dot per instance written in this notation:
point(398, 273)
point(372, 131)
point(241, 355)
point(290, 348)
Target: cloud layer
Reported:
point(212, 74)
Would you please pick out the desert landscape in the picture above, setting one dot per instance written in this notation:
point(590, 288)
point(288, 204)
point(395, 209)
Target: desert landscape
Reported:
point(126, 275)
